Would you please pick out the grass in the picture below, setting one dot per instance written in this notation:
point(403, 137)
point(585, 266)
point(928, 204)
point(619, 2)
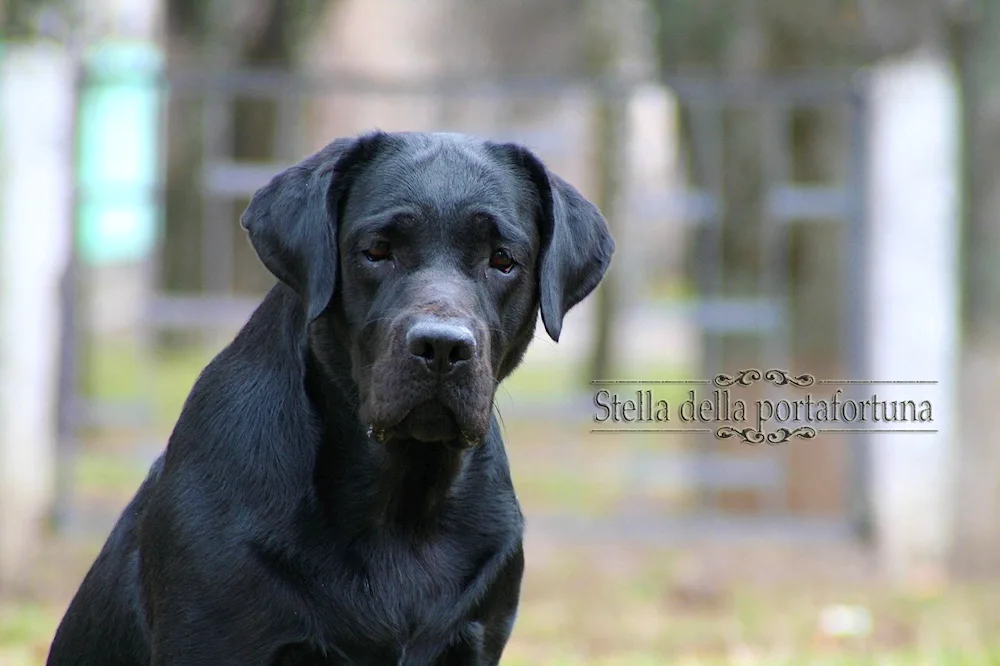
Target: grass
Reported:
point(115, 372)
point(108, 473)
point(583, 605)
point(592, 606)
point(632, 619)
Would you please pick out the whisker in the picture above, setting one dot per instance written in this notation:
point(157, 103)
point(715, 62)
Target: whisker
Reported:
point(503, 425)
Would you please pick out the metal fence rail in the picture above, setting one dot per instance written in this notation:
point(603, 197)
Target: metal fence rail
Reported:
point(224, 179)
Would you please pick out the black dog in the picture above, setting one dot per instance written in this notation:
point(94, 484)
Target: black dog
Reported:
point(336, 489)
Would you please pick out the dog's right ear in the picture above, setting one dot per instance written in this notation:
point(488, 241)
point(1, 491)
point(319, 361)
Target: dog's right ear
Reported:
point(292, 221)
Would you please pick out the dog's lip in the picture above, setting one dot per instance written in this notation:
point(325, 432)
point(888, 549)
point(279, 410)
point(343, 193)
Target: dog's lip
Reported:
point(464, 440)
point(431, 421)
point(382, 431)
point(454, 434)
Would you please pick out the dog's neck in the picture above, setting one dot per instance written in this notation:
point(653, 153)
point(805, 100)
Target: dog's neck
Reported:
point(415, 481)
point(398, 484)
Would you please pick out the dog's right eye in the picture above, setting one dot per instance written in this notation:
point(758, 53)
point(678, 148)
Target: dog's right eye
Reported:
point(379, 251)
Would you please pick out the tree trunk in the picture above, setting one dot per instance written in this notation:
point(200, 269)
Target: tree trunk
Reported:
point(207, 34)
point(609, 119)
point(181, 255)
point(977, 501)
point(743, 186)
point(255, 128)
point(255, 131)
point(602, 56)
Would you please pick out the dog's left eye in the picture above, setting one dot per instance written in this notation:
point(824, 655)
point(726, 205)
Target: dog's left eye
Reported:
point(379, 251)
point(502, 261)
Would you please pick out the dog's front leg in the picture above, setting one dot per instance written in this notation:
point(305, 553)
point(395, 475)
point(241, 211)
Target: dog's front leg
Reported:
point(200, 634)
point(186, 652)
point(481, 643)
point(181, 648)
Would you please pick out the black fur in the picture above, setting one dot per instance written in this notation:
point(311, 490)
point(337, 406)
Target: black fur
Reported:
point(336, 489)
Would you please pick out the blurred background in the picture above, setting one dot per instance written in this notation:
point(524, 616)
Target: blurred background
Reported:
point(808, 186)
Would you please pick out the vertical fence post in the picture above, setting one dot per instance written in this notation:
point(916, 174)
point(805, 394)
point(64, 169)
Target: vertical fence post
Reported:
point(913, 305)
point(37, 85)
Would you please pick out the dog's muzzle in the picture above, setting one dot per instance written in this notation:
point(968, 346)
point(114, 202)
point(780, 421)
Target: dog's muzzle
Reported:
point(433, 393)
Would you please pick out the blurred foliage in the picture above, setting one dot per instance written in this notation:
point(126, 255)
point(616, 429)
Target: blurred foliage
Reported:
point(29, 18)
point(818, 33)
point(262, 32)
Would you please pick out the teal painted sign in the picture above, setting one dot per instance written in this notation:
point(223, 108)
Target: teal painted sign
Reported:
point(119, 153)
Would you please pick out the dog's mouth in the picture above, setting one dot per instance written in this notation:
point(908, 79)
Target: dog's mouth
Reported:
point(429, 422)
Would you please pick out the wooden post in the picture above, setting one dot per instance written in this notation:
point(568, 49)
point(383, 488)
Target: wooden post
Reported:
point(913, 306)
point(37, 84)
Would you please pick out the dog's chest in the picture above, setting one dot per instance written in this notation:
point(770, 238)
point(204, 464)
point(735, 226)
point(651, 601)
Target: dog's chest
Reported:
point(399, 599)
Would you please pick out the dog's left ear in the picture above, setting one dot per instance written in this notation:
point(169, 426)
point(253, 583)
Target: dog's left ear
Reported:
point(576, 246)
point(292, 221)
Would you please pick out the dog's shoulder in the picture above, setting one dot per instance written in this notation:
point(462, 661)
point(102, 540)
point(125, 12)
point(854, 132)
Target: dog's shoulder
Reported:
point(248, 402)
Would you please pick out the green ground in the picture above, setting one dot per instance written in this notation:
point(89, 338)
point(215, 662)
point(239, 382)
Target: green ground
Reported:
point(597, 604)
point(589, 606)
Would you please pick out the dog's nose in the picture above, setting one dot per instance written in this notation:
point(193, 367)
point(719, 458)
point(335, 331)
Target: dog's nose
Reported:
point(442, 345)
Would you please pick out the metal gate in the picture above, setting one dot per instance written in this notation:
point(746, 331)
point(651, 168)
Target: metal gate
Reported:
point(218, 311)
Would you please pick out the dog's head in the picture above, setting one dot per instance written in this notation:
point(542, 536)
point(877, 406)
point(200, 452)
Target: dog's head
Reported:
point(429, 255)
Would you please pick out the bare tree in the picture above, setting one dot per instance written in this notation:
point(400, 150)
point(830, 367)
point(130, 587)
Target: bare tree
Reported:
point(220, 34)
point(976, 54)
